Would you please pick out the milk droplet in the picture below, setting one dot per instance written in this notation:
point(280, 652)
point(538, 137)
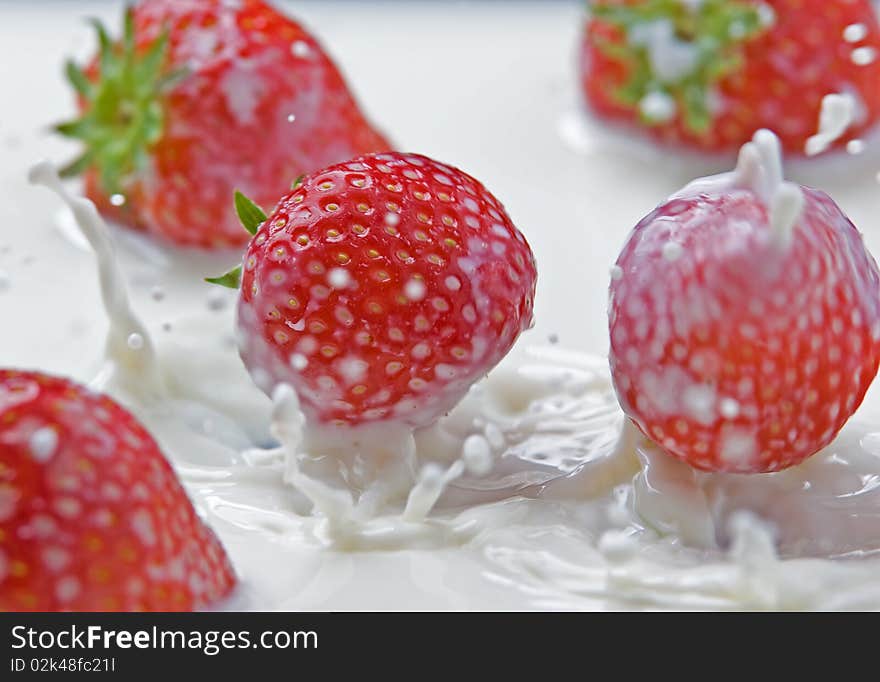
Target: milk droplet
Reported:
point(855, 147)
point(43, 443)
point(353, 369)
point(672, 251)
point(117, 199)
point(477, 455)
point(737, 30)
point(855, 33)
point(299, 361)
point(392, 219)
point(415, 290)
point(616, 273)
point(338, 278)
point(291, 118)
point(658, 107)
point(300, 49)
point(494, 436)
point(766, 15)
point(862, 56)
point(729, 408)
point(135, 341)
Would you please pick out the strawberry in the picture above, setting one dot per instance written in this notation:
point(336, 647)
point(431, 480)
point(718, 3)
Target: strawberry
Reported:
point(745, 319)
point(709, 74)
point(202, 96)
point(381, 289)
point(92, 517)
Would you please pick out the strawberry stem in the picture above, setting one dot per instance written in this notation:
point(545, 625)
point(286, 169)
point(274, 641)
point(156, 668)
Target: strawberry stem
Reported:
point(676, 53)
point(122, 114)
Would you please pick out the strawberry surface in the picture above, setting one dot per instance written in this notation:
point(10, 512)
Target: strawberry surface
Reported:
point(382, 288)
point(710, 74)
point(92, 517)
point(732, 350)
point(228, 95)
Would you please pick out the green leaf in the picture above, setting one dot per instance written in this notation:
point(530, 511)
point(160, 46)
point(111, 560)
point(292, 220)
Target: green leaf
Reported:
point(151, 63)
point(77, 166)
point(299, 181)
point(231, 280)
point(105, 45)
point(250, 215)
point(78, 129)
point(78, 79)
point(696, 110)
point(125, 113)
point(128, 30)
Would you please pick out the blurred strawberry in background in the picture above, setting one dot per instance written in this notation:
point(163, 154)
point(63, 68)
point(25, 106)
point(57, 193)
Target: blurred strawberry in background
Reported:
point(710, 74)
point(198, 98)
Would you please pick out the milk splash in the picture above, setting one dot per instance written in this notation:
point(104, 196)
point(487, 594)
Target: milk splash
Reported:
point(837, 115)
point(534, 488)
point(358, 527)
point(131, 356)
point(759, 169)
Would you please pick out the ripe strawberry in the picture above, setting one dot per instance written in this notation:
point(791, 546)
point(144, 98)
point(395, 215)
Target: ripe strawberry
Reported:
point(381, 289)
point(745, 320)
point(200, 97)
point(92, 517)
point(709, 74)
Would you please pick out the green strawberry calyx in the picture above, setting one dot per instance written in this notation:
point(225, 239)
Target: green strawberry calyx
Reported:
point(123, 116)
point(677, 51)
point(251, 217)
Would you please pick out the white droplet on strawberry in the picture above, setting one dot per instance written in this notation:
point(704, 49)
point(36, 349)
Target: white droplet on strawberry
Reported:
point(862, 56)
point(855, 33)
point(749, 350)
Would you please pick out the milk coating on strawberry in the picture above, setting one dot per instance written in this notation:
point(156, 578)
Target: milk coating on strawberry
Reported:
point(92, 516)
point(709, 74)
point(745, 319)
point(382, 288)
point(200, 97)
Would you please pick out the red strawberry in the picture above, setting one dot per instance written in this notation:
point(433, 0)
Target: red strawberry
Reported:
point(382, 288)
point(745, 320)
point(709, 74)
point(202, 96)
point(92, 517)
